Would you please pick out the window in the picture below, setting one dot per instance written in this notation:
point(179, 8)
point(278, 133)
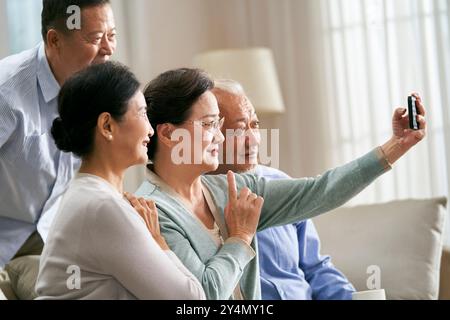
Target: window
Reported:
point(377, 52)
point(24, 24)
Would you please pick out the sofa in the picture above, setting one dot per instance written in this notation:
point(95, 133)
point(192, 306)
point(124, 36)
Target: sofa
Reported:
point(400, 242)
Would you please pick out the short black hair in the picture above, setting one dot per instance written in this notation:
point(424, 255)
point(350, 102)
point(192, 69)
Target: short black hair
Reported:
point(54, 13)
point(106, 87)
point(170, 98)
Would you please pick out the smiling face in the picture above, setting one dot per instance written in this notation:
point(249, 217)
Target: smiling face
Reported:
point(94, 43)
point(133, 133)
point(204, 113)
point(240, 116)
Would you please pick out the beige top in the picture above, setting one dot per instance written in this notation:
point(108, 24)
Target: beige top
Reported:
point(97, 232)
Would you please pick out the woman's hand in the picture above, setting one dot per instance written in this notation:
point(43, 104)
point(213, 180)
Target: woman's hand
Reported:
point(403, 137)
point(242, 212)
point(147, 210)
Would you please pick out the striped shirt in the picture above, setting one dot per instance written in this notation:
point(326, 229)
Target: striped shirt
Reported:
point(33, 173)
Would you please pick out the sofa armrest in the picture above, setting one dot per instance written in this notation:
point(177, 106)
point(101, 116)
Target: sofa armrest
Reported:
point(444, 291)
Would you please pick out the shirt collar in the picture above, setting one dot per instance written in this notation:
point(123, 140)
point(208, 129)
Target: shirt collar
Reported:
point(159, 183)
point(154, 179)
point(49, 86)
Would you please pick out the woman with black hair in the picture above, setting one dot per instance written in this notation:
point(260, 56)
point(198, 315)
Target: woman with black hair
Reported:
point(99, 246)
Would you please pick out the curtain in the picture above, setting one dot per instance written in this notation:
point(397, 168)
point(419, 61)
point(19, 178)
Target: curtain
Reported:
point(376, 52)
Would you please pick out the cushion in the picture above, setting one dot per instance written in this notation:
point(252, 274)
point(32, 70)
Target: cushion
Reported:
point(6, 291)
point(23, 273)
point(402, 240)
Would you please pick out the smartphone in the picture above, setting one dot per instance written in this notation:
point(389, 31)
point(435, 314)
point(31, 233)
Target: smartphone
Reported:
point(412, 111)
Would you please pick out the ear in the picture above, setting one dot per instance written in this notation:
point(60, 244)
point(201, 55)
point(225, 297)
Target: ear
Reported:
point(165, 131)
point(105, 126)
point(53, 39)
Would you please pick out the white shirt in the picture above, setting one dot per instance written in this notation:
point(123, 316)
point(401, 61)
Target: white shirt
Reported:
point(99, 232)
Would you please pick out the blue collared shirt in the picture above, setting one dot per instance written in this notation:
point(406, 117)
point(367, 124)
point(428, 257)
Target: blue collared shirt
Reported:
point(291, 265)
point(33, 172)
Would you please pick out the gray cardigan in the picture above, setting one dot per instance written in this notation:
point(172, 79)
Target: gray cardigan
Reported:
point(219, 270)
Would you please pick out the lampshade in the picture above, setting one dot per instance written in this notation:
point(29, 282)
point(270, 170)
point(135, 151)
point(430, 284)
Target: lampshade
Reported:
point(253, 68)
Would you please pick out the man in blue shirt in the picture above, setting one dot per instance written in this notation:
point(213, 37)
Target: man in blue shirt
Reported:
point(291, 266)
point(33, 173)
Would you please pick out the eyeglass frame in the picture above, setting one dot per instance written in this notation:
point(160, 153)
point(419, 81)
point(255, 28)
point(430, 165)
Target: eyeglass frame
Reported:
point(216, 125)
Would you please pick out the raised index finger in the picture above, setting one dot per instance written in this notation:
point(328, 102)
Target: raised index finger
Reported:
point(232, 190)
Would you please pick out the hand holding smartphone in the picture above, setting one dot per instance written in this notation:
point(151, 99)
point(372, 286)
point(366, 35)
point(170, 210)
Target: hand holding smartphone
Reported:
point(413, 113)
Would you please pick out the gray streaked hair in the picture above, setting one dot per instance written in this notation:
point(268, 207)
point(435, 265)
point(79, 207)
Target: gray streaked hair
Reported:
point(230, 86)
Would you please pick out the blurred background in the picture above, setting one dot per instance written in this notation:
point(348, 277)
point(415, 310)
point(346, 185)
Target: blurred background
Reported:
point(343, 66)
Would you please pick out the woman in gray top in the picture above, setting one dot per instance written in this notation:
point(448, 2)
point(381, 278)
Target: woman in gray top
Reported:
point(99, 246)
point(195, 209)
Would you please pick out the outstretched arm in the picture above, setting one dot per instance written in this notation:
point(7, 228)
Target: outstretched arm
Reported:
point(289, 201)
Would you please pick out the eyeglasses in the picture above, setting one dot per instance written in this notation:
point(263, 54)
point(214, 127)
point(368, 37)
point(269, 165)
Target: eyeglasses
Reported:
point(211, 126)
